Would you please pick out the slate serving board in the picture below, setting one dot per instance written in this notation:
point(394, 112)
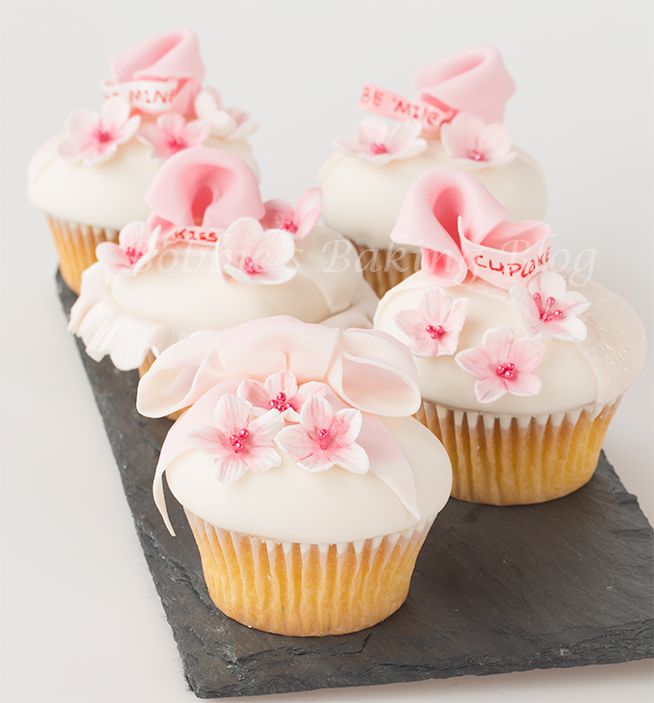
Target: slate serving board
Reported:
point(495, 590)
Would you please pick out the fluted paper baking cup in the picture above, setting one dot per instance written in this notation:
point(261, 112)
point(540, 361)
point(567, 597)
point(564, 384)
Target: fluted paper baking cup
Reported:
point(385, 268)
point(75, 245)
point(290, 588)
point(518, 460)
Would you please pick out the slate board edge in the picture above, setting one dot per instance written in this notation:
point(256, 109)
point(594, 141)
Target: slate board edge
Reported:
point(639, 634)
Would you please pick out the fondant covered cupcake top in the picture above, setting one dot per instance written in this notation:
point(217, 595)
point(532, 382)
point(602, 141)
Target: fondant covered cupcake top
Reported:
point(296, 432)
point(492, 326)
point(455, 121)
point(98, 170)
point(210, 255)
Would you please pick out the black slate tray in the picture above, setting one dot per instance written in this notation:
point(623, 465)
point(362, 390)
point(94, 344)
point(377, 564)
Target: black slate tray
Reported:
point(495, 590)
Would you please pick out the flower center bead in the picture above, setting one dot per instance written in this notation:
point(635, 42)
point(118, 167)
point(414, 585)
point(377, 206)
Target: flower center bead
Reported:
point(548, 311)
point(323, 438)
point(506, 370)
point(435, 332)
point(475, 155)
point(103, 136)
point(175, 144)
point(251, 267)
point(279, 402)
point(377, 148)
point(237, 440)
point(289, 226)
point(132, 254)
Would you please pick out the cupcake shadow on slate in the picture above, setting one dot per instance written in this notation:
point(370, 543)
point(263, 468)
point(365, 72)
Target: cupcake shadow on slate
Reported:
point(521, 368)
point(307, 484)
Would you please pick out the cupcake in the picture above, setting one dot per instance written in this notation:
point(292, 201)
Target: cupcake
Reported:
point(307, 484)
point(455, 122)
point(91, 179)
point(211, 254)
point(521, 367)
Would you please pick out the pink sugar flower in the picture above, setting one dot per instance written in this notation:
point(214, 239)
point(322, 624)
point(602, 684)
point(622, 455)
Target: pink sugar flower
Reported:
point(503, 364)
point(224, 122)
point(433, 329)
point(299, 221)
point(324, 438)
point(238, 441)
point(379, 143)
point(254, 256)
point(468, 137)
point(280, 391)
point(93, 138)
point(548, 309)
point(172, 133)
point(136, 247)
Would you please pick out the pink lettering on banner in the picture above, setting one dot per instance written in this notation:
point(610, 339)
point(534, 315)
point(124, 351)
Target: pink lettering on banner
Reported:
point(195, 235)
point(152, 97)
point(505, 268)
point(432, 112)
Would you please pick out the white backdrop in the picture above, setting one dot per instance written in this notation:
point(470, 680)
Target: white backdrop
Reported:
point(80, 617)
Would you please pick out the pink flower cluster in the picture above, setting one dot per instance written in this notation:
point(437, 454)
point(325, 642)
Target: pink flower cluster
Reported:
point(252, 426)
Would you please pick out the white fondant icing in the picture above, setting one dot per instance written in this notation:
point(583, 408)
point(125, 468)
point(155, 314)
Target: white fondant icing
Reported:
point(108, 194)
point(289, 504)
point(362, 200)
point(574, 374)
point(184, 291)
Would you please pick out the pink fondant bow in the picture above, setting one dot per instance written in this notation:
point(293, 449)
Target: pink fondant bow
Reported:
point(199, 191)
point(162, 74)
point(367, 369)
point(475, 81)
point(460, 227)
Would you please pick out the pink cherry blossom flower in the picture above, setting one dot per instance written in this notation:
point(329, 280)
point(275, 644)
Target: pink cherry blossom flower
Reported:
point(325, 438)
point(433, 329)
point(468, 137)
point(238, 441)
point(280, 391)
point(379, 142)
point(93, 138)
point(254, 256)
point(136, 247)
point(299, 221)
point(548, 309)
point(172, 133)
point(224, 122)
point(503, 364)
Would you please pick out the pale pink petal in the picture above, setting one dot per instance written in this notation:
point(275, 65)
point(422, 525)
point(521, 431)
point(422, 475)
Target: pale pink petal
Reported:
point(345, 427)
point(240, 238)
point(316, 414)
point(153, 135)
point(574, 303)
point(372, 131)
point(571, 328)
point(230, 468)
point(308, 211)
point(261, 459)
point(460, 136)
point(548, 283)
point(412, 323)
point(494, 142)
point(295, 441)
point(211, 441)
point(171, 124)
point(448, 343)
point(231, 413)
point(525, 384)
point(128, 130)
point(498, 343)
point(403, 134)
point(490, 389)
point(195, 133)
point(282, 382)
point(114, 113)
point(435, 306)
point(276, 214)
point(526, 354)
point(264, 428)
point(81, 124)
point(135, 232)
point(457, 315)
point(352, 458)
point(476, 362)
point(109, 254)
point(307, 390)
point(318, 461)
point(254, 393)
point(274, 248)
